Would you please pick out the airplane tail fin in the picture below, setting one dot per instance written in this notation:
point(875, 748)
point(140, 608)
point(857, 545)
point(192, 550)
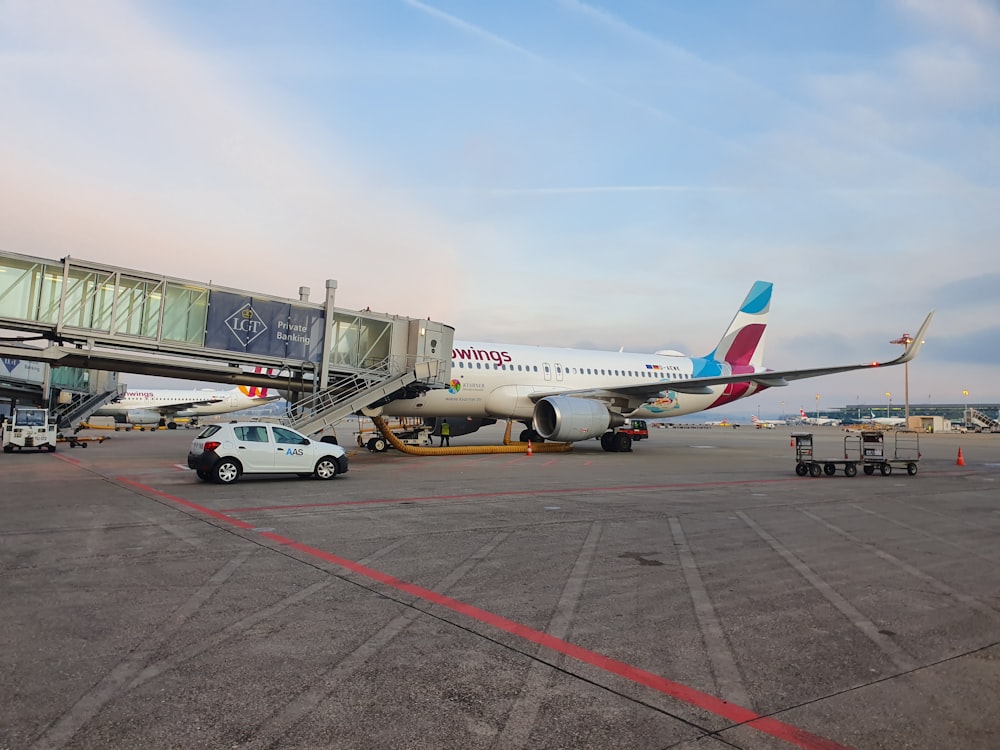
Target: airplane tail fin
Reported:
point(253, 391)
point(743, 342)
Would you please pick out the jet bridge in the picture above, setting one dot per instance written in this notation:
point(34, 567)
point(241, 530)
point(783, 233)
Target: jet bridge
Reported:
point(93, 316)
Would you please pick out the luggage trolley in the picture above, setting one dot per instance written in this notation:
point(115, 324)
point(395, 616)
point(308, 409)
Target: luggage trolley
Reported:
point(807, 464)
point(906, 452)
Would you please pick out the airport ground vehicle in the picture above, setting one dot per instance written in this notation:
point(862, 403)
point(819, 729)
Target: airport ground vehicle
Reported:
point(865, 449)
point(222, 453)
point(29, 428)
point(621, 438)
point(409, 430)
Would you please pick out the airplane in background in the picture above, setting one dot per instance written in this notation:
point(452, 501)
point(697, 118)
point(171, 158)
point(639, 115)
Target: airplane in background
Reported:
point(885, 421)
point(766, 424)
point(574, 394)
point(819, 421)
point(161, 407)
point(720, 423)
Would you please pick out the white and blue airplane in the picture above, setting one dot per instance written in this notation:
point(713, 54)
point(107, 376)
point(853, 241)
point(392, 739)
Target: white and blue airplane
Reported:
point(576, 394)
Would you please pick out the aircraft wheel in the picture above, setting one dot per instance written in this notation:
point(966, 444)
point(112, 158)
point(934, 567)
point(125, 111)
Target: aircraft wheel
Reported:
point(869, 470)
point(850, 470)
point(829, 469)
point(815, 470)
point(226, 471)
point(801, 469)
point(911, 469)
point(623, 442)
point(525, 436)
point(886, 469)
point(607, 442)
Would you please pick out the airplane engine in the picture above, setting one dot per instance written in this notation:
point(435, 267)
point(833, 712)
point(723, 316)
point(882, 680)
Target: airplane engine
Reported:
point(568, 418)
point(142, 417)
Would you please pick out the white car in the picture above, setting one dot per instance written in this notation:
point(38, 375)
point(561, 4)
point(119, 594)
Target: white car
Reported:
point(224, 452)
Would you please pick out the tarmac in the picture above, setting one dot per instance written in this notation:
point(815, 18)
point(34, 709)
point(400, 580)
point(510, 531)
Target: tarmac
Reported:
point(694, 593)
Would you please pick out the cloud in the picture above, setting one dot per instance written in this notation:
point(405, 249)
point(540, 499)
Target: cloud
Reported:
point(133, 148)
point(976, 20)
point(971, 291)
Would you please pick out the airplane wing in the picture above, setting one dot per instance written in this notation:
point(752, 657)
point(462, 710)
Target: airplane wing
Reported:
point(168, 409)
point(702, 385)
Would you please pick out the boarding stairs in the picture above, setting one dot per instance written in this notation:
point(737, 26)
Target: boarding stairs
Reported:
point(980, 421)
point(82, 406)
point(350, 393)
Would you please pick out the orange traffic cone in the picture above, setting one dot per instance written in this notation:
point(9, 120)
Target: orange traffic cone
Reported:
point(961, 460)
point(791, 442)
point(528, 452)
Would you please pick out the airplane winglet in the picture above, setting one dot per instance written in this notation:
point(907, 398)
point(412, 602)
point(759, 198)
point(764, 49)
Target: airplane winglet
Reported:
point(914, 347)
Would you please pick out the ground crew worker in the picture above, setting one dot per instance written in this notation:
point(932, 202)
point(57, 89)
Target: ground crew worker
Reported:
point(445, 433)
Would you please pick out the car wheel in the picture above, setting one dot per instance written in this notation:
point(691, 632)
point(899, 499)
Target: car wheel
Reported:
point(326, 468)
point(203, 474)
point(226, 471)
point(380, 445)
point(829, 469)
point(815, 470)
point(850, 470)
point(801, 469)
point(911, 469)
point(886, 469)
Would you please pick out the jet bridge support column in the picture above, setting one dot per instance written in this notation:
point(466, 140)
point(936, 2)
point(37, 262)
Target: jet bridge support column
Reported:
point(324, 370)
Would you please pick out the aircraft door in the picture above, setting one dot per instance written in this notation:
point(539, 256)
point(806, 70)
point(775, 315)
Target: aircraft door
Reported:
point(254, 448)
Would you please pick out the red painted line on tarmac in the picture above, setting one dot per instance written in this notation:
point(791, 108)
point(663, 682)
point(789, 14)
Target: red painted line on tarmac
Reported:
point(67, 459)
point(187, 503)
point(512, 493)
point(724, 709)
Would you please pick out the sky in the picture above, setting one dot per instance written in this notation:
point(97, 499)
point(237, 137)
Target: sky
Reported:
point(552, 172)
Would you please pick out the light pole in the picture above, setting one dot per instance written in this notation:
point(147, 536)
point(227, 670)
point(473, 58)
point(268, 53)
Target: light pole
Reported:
point(817, 406)
point(965, 412)
point(906, 339)
point(888, 403)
